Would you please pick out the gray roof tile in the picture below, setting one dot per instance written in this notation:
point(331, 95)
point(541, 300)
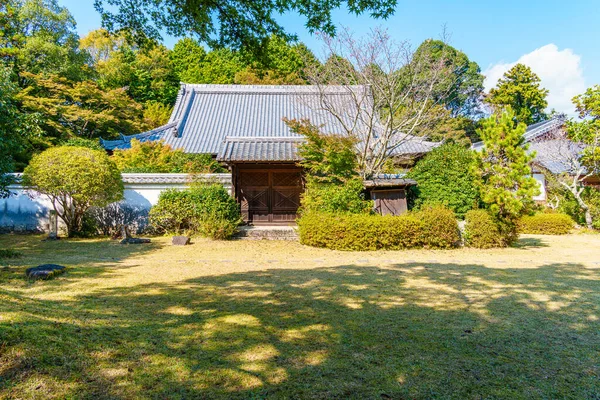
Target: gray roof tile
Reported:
point(205, 115)
point(253, 149)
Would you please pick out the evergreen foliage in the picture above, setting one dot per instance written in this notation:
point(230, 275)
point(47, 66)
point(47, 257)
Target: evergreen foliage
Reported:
point(234, 23)
point(348, 197)
point(546, 224)
point(520, 89)
point(429, 228)
point(482, 230)
point(205, 209)
point(326, 158)
point(74, 179)
point(504, 175)
point(445, 176)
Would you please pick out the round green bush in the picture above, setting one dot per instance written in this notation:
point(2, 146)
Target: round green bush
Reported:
point(482, 231)
point(445, 176)
point(207, 210)
point(546, 224)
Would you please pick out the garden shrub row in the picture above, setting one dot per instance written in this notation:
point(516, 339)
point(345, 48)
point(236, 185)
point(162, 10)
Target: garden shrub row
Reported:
point(482, 231)
point(430, 228)
point(546, 224)
point(207, 210)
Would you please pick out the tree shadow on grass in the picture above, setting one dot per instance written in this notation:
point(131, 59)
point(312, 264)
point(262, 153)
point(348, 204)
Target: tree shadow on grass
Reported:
point(529, 242)
point(406, 331)
point(82, 257)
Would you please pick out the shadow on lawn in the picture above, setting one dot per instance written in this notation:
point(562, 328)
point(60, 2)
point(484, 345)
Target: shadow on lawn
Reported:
point(83, 257)
point(408, 331)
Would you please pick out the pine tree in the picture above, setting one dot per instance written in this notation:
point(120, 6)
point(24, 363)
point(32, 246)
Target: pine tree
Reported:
point(506, 183)
point(520, 89)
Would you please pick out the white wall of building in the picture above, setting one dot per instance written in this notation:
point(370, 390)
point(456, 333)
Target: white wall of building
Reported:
point(541, 180)
point(28, 211)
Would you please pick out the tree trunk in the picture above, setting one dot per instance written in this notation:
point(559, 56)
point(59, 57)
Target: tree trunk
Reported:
point(585, 208)
point(588, 219)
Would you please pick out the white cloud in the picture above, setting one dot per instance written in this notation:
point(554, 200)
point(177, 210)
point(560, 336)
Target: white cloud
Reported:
point(559, 70)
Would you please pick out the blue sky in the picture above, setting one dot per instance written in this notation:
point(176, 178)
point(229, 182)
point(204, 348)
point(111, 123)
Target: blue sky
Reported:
point(495, 34)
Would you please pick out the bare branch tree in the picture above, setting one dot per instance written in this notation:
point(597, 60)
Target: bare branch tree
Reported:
point(569, 162)
point(393, 92)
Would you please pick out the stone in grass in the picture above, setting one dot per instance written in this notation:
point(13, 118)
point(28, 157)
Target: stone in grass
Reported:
point(180, 240)
point(45, 271)
point(131, 240)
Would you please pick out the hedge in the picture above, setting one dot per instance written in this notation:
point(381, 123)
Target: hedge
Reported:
point(546, 224)
point(430, 228)
point(204, 209)
point(482, 231)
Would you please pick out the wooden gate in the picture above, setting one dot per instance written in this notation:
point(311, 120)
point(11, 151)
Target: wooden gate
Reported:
point(269, 195)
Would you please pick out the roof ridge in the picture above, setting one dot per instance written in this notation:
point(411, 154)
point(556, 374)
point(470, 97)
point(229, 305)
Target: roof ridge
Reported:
point(264, 139)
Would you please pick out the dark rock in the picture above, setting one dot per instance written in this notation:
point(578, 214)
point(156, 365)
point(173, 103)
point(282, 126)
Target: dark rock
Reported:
point(181, 240)
point(134, 241)
point(45, 271)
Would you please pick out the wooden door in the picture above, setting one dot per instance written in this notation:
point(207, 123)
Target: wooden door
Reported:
point(390, 202)
point(269, 195)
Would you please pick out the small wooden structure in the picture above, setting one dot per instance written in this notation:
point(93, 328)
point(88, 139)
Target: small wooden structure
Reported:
point(388, 191)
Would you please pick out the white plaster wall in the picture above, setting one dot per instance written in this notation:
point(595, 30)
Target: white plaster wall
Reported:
point(541, 180)
point(26, 210)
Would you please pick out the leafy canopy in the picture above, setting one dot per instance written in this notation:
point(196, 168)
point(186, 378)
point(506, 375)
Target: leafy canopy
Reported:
point(445, 176)
point(234, 23)
point(70, 109)
point(75, 179)
point(326, 158)
point(520, 89)
point(587, 129)
point(462, 91)
point(504, 174)
point(157, 157)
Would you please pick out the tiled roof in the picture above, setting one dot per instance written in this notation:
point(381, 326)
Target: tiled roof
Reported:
point(146, 178)
point(250, 149)
point(555, 155)
point(124, 142)
point(536, 131)
point(388, 180)
point(205, 115)
point(159, 178)
point(413, 145)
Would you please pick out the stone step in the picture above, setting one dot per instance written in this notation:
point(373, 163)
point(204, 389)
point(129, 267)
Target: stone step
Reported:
point(266, 232)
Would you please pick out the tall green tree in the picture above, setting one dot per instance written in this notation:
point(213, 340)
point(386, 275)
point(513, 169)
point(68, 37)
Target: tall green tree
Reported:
point(9, 142)
point(187, 56)
point(462, 91)
point(520, 88)
point(70, 109)
point(234, 23)
point(39, 36)
point(504, 174)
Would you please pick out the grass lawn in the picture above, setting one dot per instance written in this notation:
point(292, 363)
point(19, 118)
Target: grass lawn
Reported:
point(278, 320)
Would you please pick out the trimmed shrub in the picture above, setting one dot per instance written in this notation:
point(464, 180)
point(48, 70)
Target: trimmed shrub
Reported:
point(440, 227)
point(546, 224)
point(207, 210)
point(430, 228)
point(74, 179)
point(332, 198)
point(482, 230)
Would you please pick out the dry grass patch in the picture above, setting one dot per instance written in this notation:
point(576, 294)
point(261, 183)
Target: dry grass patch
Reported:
point(279, 320)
